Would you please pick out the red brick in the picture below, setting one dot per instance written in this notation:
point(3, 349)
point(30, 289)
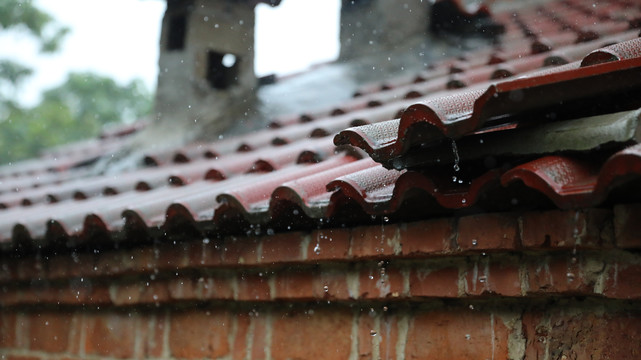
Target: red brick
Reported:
point(20, 357)
point(49, 331)
point(8, 270)
point(329, 244)
point(388, 334)
point(11, 297)
point(294, 284)
point(426, 237)
point(536, 333)
point(253, 287)
point(558, 274)
point(7, 329)
point(588, 336)
point(487, 232)
point(260, 341)
point(110, 263)
point(456, 334)
point(215, 287)
point(200, 334)
point(373, 338)
point(282, 248)
point(501, 278)
point(380, 282)
point(239, 348)
point(366, 331)
point(565, 229)
point(31, 268)
point(173, 256)
point(184, 288)
point(332, 284)
point(441, 282)
point(110, 334)
point(375, 241)
point(316, 334)
point(624, 281)
point(236, 251)
point(205, 253)
point(627, 226)
point(144, 259)
point(151, 330)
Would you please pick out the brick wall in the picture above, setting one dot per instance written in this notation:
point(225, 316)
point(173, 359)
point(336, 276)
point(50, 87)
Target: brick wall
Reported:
point(548, 285)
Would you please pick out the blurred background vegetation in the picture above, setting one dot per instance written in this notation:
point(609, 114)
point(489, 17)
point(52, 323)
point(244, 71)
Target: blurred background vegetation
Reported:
point(74, 110)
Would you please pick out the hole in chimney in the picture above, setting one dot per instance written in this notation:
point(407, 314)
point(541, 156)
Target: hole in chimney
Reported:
point(222, 69)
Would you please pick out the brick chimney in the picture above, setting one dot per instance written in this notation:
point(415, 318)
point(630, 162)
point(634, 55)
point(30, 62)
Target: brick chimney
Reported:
point(206, 61)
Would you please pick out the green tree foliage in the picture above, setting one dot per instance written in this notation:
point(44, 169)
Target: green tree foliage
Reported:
point(77, 109)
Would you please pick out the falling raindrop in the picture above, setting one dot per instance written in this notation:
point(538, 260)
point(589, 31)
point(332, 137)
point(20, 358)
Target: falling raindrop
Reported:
point(570, 276)
point(457, 159)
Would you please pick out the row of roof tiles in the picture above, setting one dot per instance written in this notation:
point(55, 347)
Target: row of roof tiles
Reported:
point(292, 175)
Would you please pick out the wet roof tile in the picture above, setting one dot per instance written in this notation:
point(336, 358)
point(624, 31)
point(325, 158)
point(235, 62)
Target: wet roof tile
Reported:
point(496, 128)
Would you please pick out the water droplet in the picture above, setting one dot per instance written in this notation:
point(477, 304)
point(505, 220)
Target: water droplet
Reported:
point(270, 232)
point(463, 201)
point(385, 219)
point(482, 279)
point(371, 277)
point(326, 288)
point(317, 249)
point(471, 307)
point(468, 336)
point(570, 276)
point(474, 242)
point(372, 333)
point(206, 241)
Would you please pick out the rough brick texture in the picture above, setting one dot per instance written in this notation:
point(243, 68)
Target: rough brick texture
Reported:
point(555, 284)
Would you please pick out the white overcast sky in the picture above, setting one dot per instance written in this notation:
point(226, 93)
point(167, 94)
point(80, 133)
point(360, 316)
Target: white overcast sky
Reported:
point(119, 38)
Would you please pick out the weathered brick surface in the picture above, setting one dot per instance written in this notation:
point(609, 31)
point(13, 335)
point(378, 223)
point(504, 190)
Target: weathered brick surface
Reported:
point(377, 334)
point(484, 276)
point(444, 334)
point(375, 241)
point(151, 331)
point(623, 281)
point(200, 334)
point(566, 229)
point(240, 346)
point(316, 334)
point(557, 274)
point(380, 282)
point(627, 226)
point(586, 335)
point(240, 251)
point(329, 244)
point(332, 284)
point(110, 334)
point(440, 282)
point(7, 329)
point(488, 232)
point(216, 287)
point(427, 237)
point(49, 331)
point(295, 284)
point(285, 247)
point(253, 287)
